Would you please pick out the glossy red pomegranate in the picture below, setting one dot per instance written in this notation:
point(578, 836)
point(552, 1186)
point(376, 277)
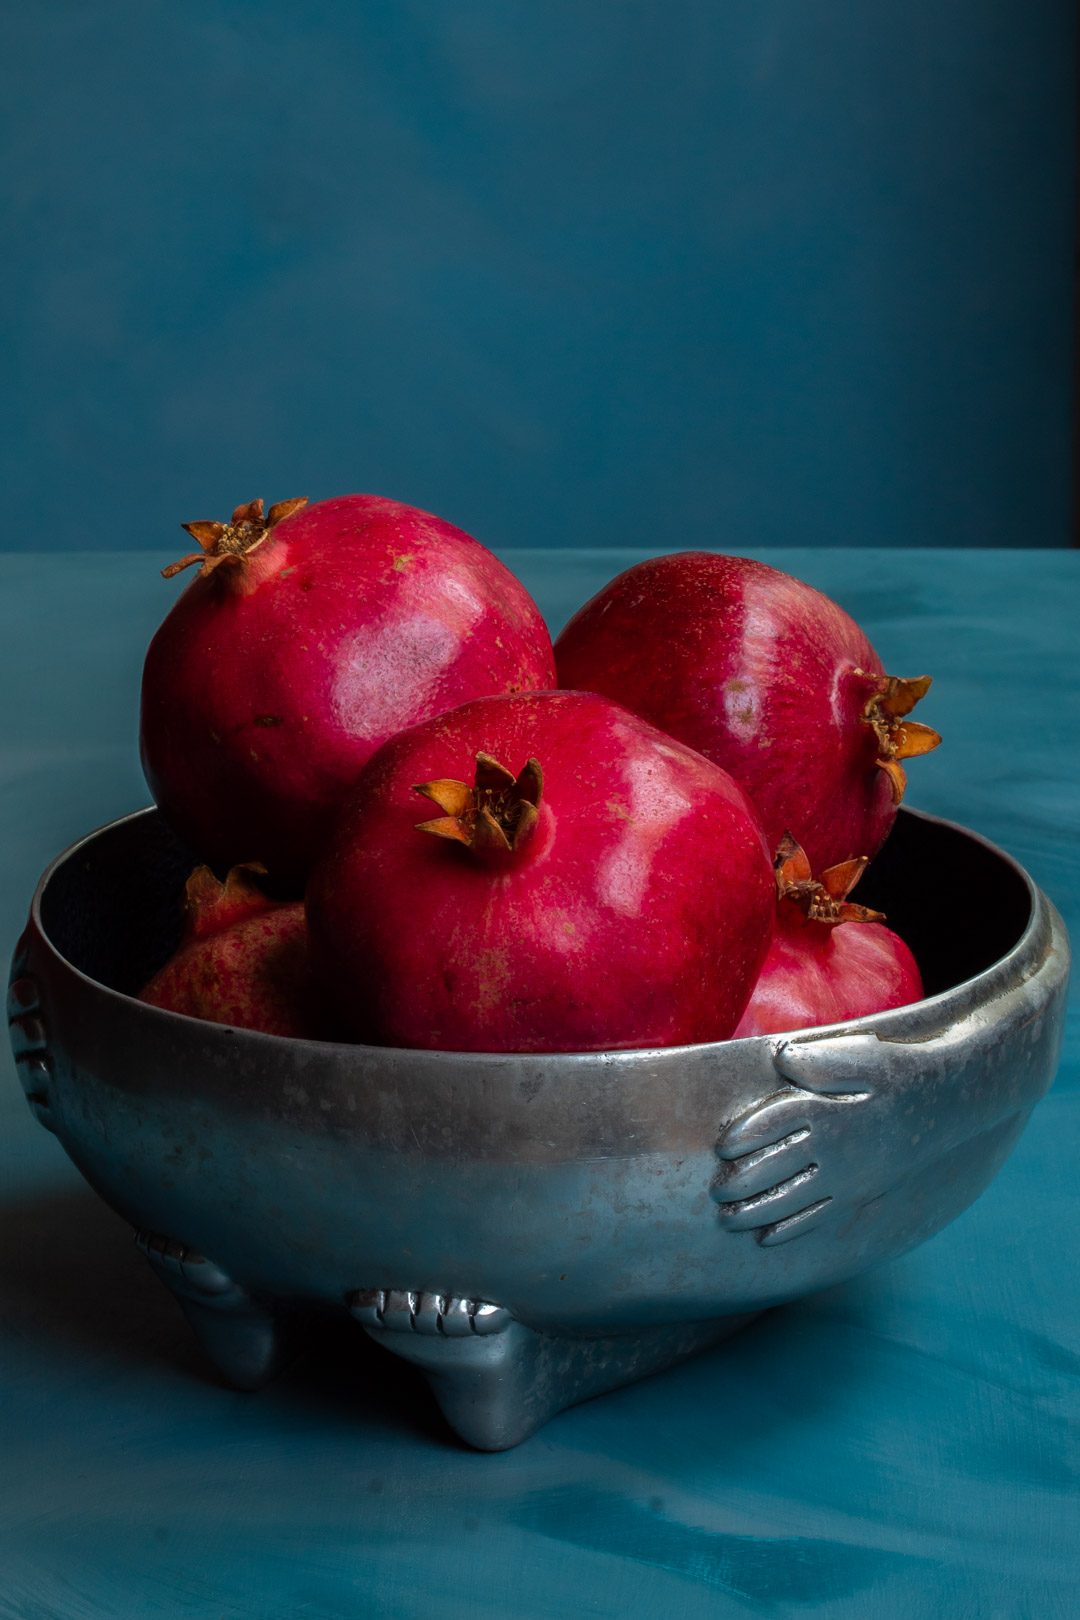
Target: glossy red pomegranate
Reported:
point(587, 883)
point(243, 959)
point(310, 636)
point(829, 959)
point(768, 678)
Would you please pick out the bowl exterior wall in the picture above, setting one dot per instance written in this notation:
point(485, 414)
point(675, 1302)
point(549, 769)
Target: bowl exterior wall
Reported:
point(584, 1193)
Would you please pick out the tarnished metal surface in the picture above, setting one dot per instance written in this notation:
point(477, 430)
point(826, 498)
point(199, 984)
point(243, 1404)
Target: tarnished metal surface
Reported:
point(546, 1226)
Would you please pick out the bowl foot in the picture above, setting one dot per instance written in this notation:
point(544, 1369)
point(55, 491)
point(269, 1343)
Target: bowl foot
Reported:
point(248, 1341)
point(498, 1381)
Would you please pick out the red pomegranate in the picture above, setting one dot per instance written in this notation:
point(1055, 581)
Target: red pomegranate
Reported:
point(243, 959)
point(829, 959)
point(589, 883)
point(768, 678)
point(310, 636)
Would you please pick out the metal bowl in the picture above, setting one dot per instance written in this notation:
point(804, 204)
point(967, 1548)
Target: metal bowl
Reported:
point(530, 1230)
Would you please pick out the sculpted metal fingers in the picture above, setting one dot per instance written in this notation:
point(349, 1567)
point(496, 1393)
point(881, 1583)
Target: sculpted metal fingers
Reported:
point(779, 1160)
point(29, 1042)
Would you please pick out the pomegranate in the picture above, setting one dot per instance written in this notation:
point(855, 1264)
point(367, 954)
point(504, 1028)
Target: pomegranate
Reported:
point(243, 959)
point(588, 883)
point(310, 636)
point(829, 959)
point(768, 678)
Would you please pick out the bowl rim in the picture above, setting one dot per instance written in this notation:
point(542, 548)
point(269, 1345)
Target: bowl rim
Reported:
point(961, 992)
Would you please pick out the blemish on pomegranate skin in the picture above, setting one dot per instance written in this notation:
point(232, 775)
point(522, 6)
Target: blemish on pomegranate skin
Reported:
point(741, 709)
point(269, 720)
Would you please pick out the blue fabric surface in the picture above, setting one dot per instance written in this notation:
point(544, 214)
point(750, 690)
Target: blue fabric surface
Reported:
point(662, 272)
point(907, 1445)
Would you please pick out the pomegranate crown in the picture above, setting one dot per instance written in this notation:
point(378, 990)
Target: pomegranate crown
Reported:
point(211, 905)
point(892, 699)
point(498, 813)
point(825, 900)
point(231, 542)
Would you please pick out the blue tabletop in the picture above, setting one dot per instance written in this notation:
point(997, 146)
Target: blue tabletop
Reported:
point(905, 1445)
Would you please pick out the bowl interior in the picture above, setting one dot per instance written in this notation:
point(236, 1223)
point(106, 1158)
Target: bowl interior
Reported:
point(112, 909)
point(960, 904)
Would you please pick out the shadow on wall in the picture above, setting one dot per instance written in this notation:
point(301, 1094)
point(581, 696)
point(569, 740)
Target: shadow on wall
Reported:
point(657, 274)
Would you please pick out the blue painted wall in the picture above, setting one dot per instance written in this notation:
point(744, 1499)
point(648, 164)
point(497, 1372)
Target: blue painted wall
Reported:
point(568, 271)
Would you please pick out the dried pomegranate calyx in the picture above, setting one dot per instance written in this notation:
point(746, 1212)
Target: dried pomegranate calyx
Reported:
point(498, 812)
point(823, 900)
point(231, 542)
point(898, 738)
point(210, 904)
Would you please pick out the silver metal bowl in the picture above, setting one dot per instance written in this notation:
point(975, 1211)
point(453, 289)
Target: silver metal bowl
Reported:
point(530, 1230)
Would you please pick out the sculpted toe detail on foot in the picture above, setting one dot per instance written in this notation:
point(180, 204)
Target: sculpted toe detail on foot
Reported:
point(249, 1340)
point(403, 1310)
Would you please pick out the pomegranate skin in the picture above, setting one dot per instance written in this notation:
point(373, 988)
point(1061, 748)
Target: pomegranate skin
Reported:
point(244, 961)
point(816, 974)
point(636, 913)
point(757, 671)
point(272, 680)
